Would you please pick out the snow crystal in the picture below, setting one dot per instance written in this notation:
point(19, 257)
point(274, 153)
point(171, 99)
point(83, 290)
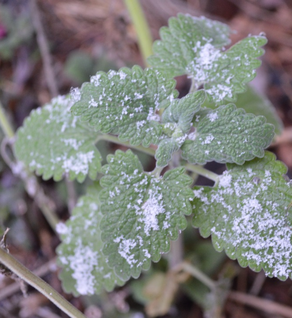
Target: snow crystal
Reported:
point(83, 263)
point(208, 140)
point(75, 94)
point(125, 247)
point(75, 144)
point(95, 80)
point(78, 163)
point(150, 209)
point(212, 116)
point(61, 228)
point(225, 180)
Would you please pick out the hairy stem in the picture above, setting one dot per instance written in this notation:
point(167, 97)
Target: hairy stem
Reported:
point(203, 172)
point(116, 140)
point(11, 263)
point(141, 27)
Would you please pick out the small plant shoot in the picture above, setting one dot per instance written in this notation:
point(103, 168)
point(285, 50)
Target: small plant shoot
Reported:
point(128, 217)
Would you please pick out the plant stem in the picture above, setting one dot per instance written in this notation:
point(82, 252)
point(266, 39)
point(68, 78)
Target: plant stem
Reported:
point(203, 172)
point(10, 262)
point(116, 140)
point(141, 27)
point(198, 274)
point(5, 124)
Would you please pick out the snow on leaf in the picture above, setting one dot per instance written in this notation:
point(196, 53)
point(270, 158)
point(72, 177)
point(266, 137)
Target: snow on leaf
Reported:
point(181, 40)
point(84, 267)
point(126, 103)
point(53, 142)
point(227, 134)
point(187, 46)
point(141, 212)
point(249, 215)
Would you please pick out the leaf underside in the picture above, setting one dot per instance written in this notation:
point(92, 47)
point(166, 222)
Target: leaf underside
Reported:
point(125, 103)
point(227, 134)
point(84, 267)
point(248, 214)
point(141, 213)
point(187, 48)
point(53, 142)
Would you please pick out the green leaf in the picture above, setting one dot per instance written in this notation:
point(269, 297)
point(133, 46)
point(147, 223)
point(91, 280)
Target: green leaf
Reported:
point(165, 150)
point(53, 142)
point(259, 105)
point(255, 104)
point(181, 111)
point(189, 47)
point(141, 212)
point(249, 215)
point(177, 119)
point(175, 51)
point(125, 103)
point(227, 134)
point(84, 267)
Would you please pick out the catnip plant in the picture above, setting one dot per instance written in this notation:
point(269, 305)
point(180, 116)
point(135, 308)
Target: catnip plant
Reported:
point(128, 216)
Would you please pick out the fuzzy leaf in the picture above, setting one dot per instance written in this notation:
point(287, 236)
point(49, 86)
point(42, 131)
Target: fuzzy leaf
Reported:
point(255, 104)
point(125, 103)
point(177, 119)
point(85, 270)
point(175, 51)
point(165, 150)
point(141, 212)
point(227, 134)
point(181, 111)
point(186, 48)
point(53, 142)
point(249, 215)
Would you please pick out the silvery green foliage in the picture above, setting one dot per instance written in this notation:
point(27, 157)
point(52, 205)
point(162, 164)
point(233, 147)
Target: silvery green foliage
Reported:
point(142, 212)
point(85, 270)
point(116, 232)
point(227, 134)
point(195, 46)
point(126, 103)
point(53, 142)
point(248, 215)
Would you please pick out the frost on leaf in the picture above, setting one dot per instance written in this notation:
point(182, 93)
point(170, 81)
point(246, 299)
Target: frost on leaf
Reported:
point(249, 215)
point(53, 142)
point(195, 46)
point(142, 212)
point(227, 134)
point(84, 267)
point(126, 103)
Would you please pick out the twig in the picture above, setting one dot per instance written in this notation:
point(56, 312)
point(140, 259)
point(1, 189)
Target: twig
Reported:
point(13, 288)
point(195, 272)
point(261, 304)
point(258, 283)
point(44, 48)
point(36, 282)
